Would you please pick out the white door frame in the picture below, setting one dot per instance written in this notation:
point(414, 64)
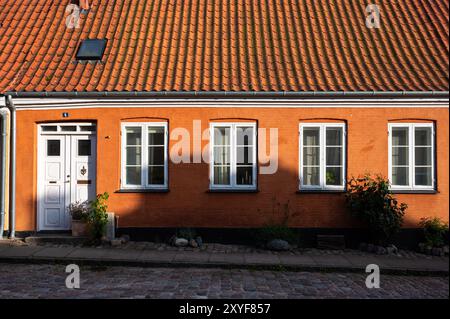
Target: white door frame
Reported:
point(68, 133)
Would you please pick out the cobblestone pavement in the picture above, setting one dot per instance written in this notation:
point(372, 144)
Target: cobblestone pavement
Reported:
point(48, 281)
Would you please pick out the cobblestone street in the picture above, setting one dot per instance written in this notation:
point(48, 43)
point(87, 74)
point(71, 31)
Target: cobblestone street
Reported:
point(48, 281)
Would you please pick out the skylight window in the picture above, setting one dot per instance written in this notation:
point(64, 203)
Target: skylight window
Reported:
point(91, 49)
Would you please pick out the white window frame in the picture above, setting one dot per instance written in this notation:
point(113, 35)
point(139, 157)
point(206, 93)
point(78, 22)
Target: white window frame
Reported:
point(412, 160)
point(144, 155)
point(322, 157)
point(233, 138)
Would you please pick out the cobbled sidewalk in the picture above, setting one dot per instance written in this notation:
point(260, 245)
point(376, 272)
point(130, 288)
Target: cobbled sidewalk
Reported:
point(228, 256)
point(48, 281)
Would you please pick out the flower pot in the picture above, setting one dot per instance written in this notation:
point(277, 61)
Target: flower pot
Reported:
point(80, 228)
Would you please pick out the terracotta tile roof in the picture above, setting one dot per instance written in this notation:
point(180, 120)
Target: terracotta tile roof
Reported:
point(227, 45)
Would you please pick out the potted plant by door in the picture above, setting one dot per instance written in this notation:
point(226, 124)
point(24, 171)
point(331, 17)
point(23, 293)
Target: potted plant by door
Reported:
point(80, 214)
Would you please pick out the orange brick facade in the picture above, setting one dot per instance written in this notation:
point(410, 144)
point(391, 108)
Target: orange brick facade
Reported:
point(188, 202)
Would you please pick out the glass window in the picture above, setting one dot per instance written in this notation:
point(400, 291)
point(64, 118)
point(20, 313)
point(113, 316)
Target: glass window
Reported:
point(91, 49)
point(322, 156)
point(145, 149)
point(411, 156)
point(234, 155)
point(84, 147)
point(53, 147)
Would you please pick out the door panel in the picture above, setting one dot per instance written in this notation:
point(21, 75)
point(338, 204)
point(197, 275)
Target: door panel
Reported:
point(66, 174)
point(52, 203)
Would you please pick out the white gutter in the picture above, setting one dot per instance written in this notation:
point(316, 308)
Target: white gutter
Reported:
point(4, 113)
point(12, 190)
point(234, 95)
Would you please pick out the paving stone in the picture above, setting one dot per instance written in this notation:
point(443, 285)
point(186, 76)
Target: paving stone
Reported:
point(261, 259)
point(233, 258)
point(87, 253)
point(296, 260)
point(332, 260)
point(192, 257)
point(58, 252)
point(20, 252)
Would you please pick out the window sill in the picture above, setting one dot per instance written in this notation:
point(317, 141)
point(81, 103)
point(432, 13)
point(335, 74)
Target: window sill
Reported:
point(321, 191)
point(140, 190)
point(218, 190)
point(414, 191)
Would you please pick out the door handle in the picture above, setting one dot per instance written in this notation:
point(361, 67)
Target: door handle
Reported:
point(52, 182)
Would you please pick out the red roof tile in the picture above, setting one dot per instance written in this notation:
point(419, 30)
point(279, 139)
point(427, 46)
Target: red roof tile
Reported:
point(227, 45)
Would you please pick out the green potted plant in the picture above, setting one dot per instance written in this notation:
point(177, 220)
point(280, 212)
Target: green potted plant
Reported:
point(80, 215)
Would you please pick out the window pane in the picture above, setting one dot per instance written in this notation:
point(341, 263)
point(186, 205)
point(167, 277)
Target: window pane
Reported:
point(49, 128)
point(156, 155)
point(84, 147)
point(244, 155)
point(334, 136)
point(90, 128)
point(53, 147)
point(133, 135)
point(400, 176)
point(156, 175)
point(244, 135)
point(133, 155)
point(133, 175)
point(311, 176)
point(244, 175)
point(400, 156)
point(311, 155)
point(423, 155)
point(423, 176)
point(221, 136)
point(334, 156)
point(400, 136)
point(423, 136)
point(311, 136)
point(222, 175)
point(156, 136)
point(221, 155)
point(334, 176)
point(68, 128)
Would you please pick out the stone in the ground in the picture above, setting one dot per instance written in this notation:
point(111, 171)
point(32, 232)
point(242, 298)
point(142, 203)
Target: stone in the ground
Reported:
point(392, 250)
point(363, 246)
point(193, 243)
point(199, 241)
point(125, 239)
point(371, 248)
point(181, 242)
point(437, 251)
point(116, 242)
point(381, 250)
point(278, 244)
point(446, 250)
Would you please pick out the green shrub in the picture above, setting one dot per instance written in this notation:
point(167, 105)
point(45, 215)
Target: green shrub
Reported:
point(434, 230)
point(278, 227)
point(98, 218)
point(187, 233)
point(370, 200)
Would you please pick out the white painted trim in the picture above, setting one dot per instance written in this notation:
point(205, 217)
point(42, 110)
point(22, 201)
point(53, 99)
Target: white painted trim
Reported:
point(411, 163)
point(59, 104)
point(322, 157)
point(144, 155)
point(233, 138)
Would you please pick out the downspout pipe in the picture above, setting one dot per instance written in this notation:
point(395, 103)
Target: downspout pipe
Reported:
point(12, 190)
point(4, 114)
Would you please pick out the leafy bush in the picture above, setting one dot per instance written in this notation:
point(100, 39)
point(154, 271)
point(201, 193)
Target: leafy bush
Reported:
point(278, 229)
point(98, 218)
point(79, 211)
point(370, 200)
point(434, 230)
point(187, 233)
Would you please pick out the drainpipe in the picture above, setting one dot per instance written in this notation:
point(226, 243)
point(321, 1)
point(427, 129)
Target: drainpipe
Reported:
point(12, 143)
point(4, 114)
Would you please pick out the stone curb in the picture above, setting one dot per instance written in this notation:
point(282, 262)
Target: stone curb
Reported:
point(249, 266)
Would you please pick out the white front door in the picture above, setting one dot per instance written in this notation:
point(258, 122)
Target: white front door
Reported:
point(66, 171)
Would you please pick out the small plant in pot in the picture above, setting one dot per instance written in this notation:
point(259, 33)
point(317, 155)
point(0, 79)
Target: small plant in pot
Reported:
point(80, 215)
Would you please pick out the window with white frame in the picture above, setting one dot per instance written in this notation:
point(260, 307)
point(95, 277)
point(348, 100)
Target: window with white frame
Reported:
point(233, 156)
point(322, 156)
point(144, 155)
point(411, 156)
